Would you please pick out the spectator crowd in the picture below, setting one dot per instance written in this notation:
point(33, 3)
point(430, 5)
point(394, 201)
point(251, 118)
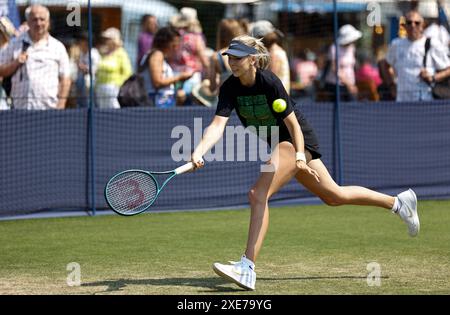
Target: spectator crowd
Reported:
point(178, 68)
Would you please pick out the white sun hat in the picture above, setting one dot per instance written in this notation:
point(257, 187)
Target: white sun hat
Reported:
point(348, 34)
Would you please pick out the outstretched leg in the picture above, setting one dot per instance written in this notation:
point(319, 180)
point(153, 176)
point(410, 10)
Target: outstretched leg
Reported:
point(334, 195)
point(405, 204)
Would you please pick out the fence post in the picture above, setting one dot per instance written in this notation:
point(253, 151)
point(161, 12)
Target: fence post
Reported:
point(91, 133)
point(337, 101)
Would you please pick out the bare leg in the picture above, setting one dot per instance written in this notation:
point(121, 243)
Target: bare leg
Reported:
point(334, 195)
point(331, 193)
point(267, 184)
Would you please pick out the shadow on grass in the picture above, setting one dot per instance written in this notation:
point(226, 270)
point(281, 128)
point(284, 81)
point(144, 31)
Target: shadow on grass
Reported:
point(209, 285)
point(320, 278)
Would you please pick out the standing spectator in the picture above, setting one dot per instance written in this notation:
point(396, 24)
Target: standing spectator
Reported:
point(7, 31)
point(113, 69)
point(405, 56)
point(191, 56)
point(305, 72)
point(347, 37)
point(227, 30)
point(279, 62)
point(366, 69)
point(386, 90)
point(149, 26)
point(39, 64)
point(83, 79)
point(367, 78)
point(219, 69)
point(159, 78)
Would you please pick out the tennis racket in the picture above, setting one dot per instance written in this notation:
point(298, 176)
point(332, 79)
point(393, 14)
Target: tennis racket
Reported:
point(133, 191)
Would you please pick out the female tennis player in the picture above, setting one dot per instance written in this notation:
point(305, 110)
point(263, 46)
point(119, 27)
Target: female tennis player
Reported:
point(251, 90)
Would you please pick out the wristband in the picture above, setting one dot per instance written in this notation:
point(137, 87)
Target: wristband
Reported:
point(300, 156)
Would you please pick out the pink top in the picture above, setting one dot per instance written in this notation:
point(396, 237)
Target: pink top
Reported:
point(191, 43)
point(306, 72)
point(367, 72)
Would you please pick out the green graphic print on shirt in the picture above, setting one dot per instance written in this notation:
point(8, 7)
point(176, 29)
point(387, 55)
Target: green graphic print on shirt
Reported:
point(255, 110)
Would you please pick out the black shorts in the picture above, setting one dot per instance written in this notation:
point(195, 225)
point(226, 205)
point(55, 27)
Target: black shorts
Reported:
point(309, 136)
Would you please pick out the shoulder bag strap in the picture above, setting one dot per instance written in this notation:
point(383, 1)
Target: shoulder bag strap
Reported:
point(427, 48)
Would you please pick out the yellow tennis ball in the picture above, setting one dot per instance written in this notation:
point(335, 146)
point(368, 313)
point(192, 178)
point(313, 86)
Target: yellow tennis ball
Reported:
point(279, 105)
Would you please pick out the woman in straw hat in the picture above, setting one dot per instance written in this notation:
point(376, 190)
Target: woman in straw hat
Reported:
point(192, 55)
point(279, 62)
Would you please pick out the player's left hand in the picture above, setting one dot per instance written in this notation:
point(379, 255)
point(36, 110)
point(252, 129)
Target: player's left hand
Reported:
point(303, 167)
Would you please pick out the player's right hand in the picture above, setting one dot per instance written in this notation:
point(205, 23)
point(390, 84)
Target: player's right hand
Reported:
point(197, 160)
point(303, 167)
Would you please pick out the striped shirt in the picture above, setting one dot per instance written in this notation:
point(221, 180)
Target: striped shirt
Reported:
point(35, 84)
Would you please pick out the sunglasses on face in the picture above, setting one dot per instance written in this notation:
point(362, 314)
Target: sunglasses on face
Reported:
point(416, 23)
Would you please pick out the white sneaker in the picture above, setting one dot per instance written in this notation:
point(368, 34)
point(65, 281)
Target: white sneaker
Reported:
point(242, 273)
point(408, 211)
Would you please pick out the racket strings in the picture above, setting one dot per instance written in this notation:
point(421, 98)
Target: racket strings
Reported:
point(131, 192)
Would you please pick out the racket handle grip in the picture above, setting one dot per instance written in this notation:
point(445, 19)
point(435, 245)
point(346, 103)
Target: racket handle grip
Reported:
point(184, 168)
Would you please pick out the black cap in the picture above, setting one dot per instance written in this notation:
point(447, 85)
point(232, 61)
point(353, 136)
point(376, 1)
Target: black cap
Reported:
point(239, 49)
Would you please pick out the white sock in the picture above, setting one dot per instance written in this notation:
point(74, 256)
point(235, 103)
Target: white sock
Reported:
point(397, 205)
point(248, 262)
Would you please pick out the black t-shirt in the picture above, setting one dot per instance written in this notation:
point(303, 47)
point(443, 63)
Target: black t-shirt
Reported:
point(254, 105)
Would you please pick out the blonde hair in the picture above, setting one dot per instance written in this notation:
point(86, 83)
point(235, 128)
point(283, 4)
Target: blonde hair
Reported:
point(262, 55)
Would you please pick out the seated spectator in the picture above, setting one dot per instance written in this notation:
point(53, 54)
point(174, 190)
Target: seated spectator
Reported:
point(191, 56)
point(113, 69)
point(406, 55)
point(83, 79)
point(279, 62)
point(160, 78)
point(149, 26)
point(39, 65)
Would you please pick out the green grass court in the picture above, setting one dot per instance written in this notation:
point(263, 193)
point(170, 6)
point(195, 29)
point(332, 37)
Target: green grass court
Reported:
point(308, 250)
